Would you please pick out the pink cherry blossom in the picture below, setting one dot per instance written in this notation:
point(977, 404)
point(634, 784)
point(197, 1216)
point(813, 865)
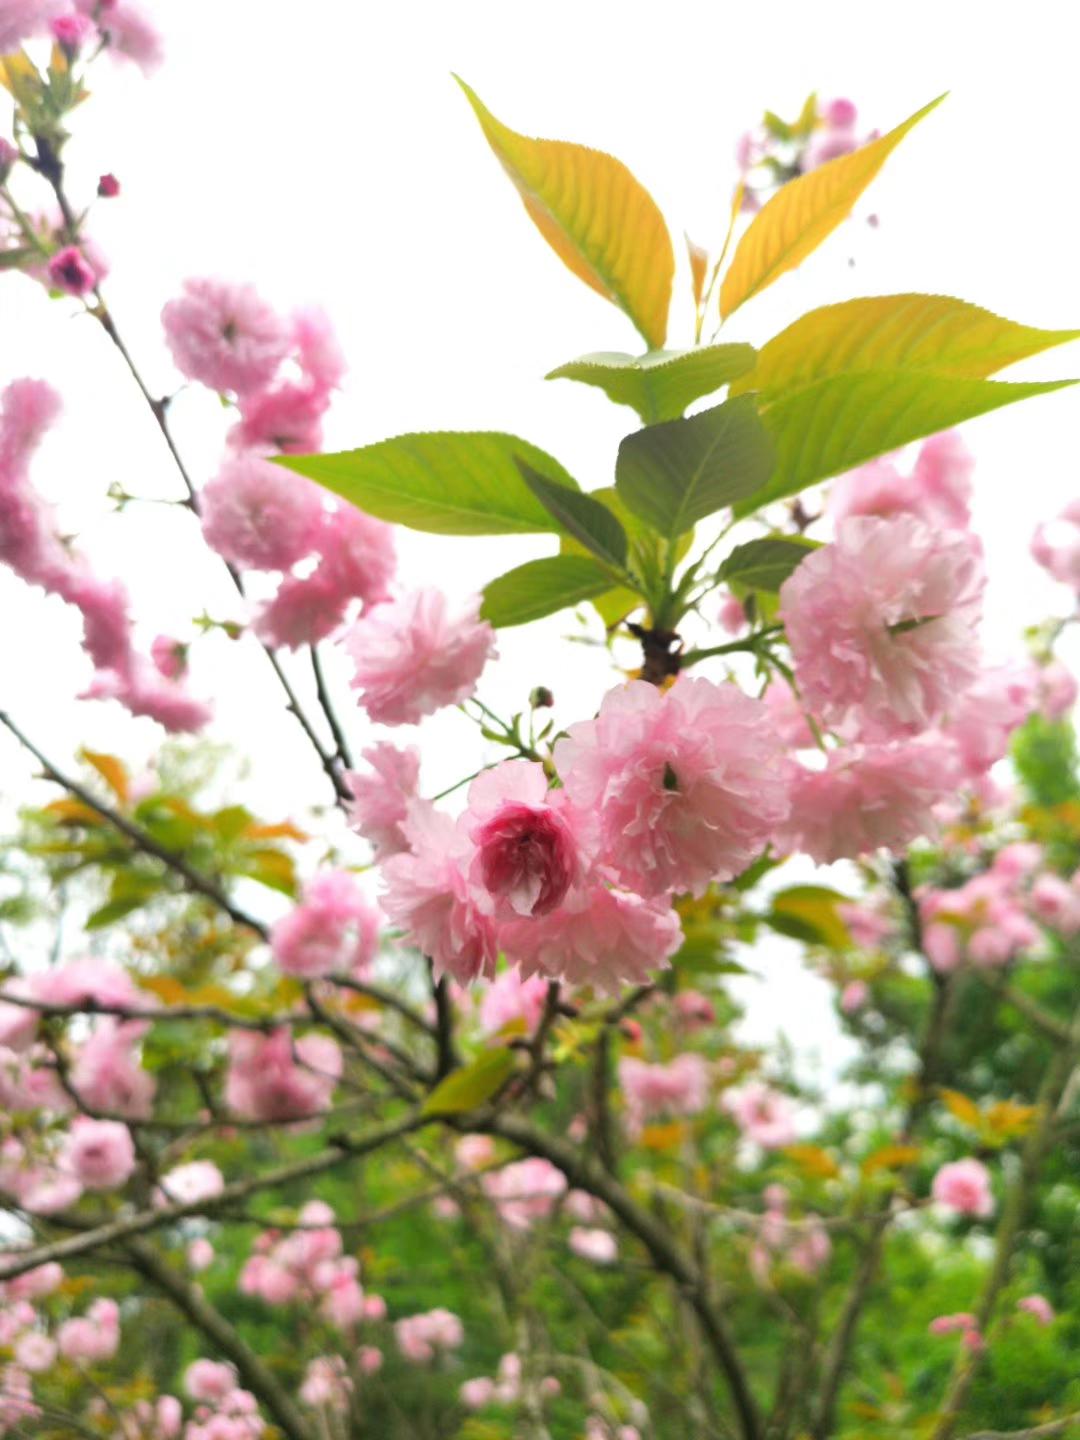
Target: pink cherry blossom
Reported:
point(524, 1192)
point(412, 656)
point(964, 1187)
point(70, 271)
point(260, 516)
point(937, 490)
point(23, 19)
point(980, 723)
point(107, 1075)
point(763, 1115)
point(474, 1152)
point(225, 336)
point(333, 929)
point(93, 1337)
point(678, 1088)
point(304, 611)
point(527, 855)
point(381, 795)
point(127, 31)
point(209, 1379)
point(953, 1324)
point(1056, 690)
point(685, 786)
point(1039, 1307)
point(867, 797)
point(599, 1246)
point(693, 1009)
point(1056, 904)
point(981, 921)
point(475, 1394)
point(430, 897)
point(277, 1077)
point(357, 557)
point(200, 1254)
point(509, 999)
point(169, 655)
point(598, 936)
point(35, 1352)
point(100, 1153)
point(421, 1337)
point(189, 1183)
point(854, 996)
point(1055, 546)
point(882, 624)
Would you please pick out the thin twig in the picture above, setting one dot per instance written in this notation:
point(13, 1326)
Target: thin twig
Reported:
point(201, 884)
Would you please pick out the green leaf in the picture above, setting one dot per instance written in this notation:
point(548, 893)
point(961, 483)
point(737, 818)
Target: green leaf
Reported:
point(647, 556)
point(894, 332)
point(766, 563)
point(540, 587)
point(448, 482)
point(589, 521)
point(600, 221)
point(676, 473)
point(661, 384)
point(843, 420)
point(470, 1086)
point(812, 909)
point(112, 911)
point(802, 213)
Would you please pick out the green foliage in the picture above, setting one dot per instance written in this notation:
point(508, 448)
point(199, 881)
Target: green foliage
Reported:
point(1045, 755)
point(540, 587)
point(450, 483)
point(588, 520)
point(661, 384)
point(764, 564)
point(835, 423)
point(673, 475)
point(472, 1084)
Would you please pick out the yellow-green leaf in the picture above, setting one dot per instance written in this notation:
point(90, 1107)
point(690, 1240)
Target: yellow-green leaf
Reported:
point(660, 385)
point(844, 420)
point(112, 771)
point(600, 221)
point(816, 907)
point(470, 1086)
point(962, 1108)
point(812, 1160)
point(901, 332)
point(890, 1157)
point(802, 213)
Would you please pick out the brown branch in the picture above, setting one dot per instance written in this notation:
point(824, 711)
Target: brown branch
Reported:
point(1036, 1145)
point(584, 1173)
point(1036, 1432)
point(322, 690)
point(49, 165)
point(201, 884)
point(839, 1351)
point(190, 1301)
point(1055, 1029)
point(344, 1147)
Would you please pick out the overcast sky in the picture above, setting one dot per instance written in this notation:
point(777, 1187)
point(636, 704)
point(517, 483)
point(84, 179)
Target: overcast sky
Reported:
point(324, 153)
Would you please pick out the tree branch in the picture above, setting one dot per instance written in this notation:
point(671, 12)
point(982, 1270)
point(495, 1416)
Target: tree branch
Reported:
point(1048, 1431)
point(190, 1301)
point(201, 884)
point(344, 1147)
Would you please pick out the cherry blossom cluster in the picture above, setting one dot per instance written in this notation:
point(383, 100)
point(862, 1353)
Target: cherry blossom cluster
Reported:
point(506, 1386)
point(308, 1266)
point(122, 27)
point(32, 546)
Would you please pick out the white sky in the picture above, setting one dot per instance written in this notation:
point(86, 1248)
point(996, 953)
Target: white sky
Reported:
point(324, 153)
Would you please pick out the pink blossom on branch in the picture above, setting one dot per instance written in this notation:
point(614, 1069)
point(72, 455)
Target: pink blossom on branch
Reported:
point(412, 656)
point(763, 1115)
point(382, 794)
point(684, 786)
point(430, 896)
point(334, 929)
point(277, 1077)
point(259, 516)
point(867, 797)
point(599, 936)
point(882, 624)
point(225, 336)
point(21, 20)
point(964, 1187)
point(99, 1153)
point(527, 854)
